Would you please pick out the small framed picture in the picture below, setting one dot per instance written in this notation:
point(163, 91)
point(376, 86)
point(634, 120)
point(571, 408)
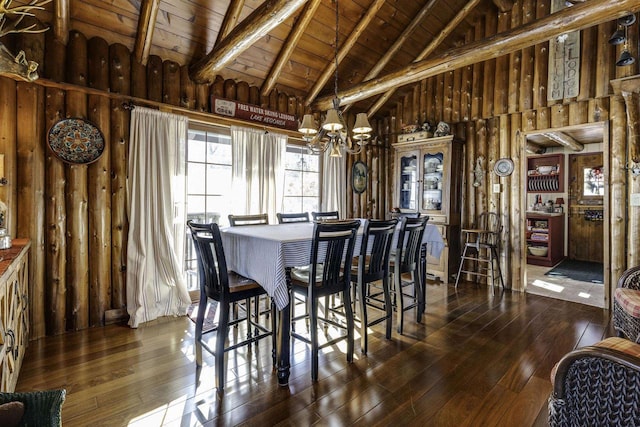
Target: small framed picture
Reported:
point(359, 177)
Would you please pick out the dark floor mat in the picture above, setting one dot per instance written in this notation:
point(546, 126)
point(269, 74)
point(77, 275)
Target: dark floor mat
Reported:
point(583, 271)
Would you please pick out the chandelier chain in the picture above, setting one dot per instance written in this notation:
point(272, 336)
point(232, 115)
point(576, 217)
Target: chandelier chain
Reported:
point(335, 51)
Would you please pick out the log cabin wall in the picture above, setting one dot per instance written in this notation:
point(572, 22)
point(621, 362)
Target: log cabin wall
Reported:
point(75, 215)
point(490, 105)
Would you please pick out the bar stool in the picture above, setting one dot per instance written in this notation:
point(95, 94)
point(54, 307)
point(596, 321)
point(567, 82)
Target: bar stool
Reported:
point(481, 248)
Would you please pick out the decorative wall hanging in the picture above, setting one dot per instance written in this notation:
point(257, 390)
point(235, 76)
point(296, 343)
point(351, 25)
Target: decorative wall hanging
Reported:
point(359, 177)
point(76, 141)
point(503, 167)
point(478, 172)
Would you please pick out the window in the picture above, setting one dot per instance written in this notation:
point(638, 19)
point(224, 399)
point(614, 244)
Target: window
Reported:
point(302, 180)
point(208, 190)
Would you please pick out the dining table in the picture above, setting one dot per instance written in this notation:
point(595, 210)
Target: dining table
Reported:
point(266, 253)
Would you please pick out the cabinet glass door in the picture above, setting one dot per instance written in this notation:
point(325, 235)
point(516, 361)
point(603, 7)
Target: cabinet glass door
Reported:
point(408, 180)
point(432, 180)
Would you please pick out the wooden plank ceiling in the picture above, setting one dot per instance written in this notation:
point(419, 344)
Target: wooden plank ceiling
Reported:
point(288, 45)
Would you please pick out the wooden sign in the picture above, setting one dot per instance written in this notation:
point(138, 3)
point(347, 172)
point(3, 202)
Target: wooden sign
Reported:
point(564, 62)
point(253, 113)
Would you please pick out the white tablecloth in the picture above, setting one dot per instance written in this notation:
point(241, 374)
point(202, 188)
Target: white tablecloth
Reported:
point(262, 252)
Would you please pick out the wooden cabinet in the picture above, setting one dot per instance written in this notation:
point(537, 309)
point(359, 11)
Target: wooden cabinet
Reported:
point(428, 179)
point(545, 239)
point(14, 311)
point(545, 173)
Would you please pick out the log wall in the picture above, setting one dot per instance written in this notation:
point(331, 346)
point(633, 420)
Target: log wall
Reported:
point(76, 216)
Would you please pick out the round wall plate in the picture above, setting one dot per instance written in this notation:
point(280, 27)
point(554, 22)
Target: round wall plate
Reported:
point(76, 141)
point(503, 167)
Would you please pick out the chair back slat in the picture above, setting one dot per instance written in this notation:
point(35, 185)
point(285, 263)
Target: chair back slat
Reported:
point(321, 216)
point(409, 242)
point(257, 219)
point(332, 247)
point(490, 223)
point(212, 264)
point(376, 248)
point(292, 217)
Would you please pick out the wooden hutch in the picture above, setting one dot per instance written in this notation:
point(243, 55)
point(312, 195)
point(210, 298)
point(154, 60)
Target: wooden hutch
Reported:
point(428, 179)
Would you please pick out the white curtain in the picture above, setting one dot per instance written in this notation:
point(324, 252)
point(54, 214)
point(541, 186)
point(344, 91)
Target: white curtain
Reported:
point(334, 181)
point(257, 171)
point(156, 184)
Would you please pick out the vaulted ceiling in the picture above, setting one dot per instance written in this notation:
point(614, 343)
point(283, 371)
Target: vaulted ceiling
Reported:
point(288, 45)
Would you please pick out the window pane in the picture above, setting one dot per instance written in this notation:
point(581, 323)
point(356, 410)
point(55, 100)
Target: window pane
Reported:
point(196, 146)
point(219, 180)
point(293, 186)
point(219, 150)
point(195, 178)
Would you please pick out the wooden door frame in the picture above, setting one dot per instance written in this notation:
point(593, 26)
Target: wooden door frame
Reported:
point(606, 148)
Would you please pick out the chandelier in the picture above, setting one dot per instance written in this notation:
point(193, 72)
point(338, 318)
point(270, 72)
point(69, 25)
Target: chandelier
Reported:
point(334, 133)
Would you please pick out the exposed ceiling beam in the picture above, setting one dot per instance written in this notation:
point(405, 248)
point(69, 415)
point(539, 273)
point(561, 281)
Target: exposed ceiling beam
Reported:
point(146, 25)
point(263, 19)
point(564, 140)
point(533, 148)
point(289, 45)
point(460, 16)
point(344, 49)
point(61, 21)
point(574, 18)
point(503, 5)
point(230, 19)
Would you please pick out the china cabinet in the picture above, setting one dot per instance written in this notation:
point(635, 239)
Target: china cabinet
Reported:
point(428, 179)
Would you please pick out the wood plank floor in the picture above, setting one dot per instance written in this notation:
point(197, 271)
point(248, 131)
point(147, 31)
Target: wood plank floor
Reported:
point(477, 359)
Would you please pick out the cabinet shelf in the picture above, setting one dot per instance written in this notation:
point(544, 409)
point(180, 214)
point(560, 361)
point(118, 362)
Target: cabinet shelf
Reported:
point(544, 231)
point(545, 174)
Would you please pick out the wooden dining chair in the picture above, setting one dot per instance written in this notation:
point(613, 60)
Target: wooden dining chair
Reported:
point(285, 218)
point(328, 273)
point(321, 216)
point(226, 287)
point(256, 219)
point(405, 260)
point(372, 266)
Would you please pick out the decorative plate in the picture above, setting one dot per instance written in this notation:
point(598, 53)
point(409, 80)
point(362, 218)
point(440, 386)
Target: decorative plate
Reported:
point(503, 167)
point(76, 141)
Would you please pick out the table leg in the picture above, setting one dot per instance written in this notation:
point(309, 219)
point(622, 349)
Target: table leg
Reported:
point(284, 340)
point(423, 280)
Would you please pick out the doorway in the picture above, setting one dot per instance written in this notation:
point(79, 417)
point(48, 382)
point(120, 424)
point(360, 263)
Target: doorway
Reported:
point(579, 202)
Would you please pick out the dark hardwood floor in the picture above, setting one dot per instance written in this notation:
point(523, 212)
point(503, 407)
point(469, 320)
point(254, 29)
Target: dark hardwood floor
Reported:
point(477, 359)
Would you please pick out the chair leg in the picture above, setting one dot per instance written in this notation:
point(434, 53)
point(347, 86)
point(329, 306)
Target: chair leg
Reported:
point(495, 252)
point(360, 287)
point(399, 302)
point(387, 306)
point(464, 254)
point(418, 292)
point(348, 311)
point(221, 336)
point(202, 308)
point(313, 320)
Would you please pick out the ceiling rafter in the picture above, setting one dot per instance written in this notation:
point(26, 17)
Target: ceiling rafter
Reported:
point(61, 21)
point(344, 50)
point(290, 44)
point(146, 25)
point(460, 16)
point(398, 43)
point(503, 5)
point(575, 18)
point(264, 18)
point(230, 19)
